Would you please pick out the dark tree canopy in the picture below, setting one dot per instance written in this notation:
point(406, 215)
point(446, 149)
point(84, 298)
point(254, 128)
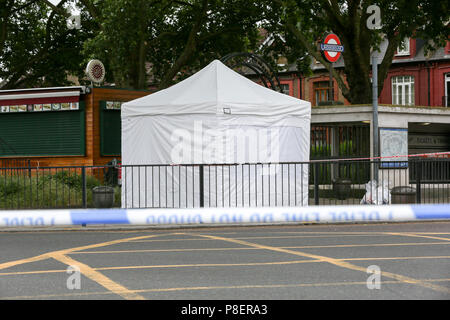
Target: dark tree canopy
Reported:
point(36, 46)
point(304, 23)
point(167, 40)
point(163, 41)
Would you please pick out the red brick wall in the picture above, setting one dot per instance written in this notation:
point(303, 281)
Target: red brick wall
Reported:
point(420, 73)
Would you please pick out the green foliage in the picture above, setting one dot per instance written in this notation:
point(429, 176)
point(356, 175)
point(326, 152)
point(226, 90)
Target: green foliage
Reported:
point(36, 47)
point(346, 148)
point(8, 187)
point(356, 172)
point(62, 189)
point(166, 41)
point(320, 151)
point(303, 23)
point(64, 177)
point(70, 179)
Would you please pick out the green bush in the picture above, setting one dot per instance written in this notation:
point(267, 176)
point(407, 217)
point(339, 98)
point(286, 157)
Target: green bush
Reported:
point(62, 189)
point(65, 177)
point(321, 151)
point(8, 187)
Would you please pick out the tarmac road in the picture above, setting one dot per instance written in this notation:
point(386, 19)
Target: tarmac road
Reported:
point(281, 262)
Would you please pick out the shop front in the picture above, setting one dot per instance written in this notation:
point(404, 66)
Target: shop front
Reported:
point(63, 126)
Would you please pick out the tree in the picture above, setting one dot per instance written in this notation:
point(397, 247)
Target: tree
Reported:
point(306, 22)
point(124, 32)
point(169, 39)
point(36, 46)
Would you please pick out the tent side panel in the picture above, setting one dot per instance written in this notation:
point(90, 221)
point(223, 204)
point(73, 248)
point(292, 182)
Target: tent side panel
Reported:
point(247, 185)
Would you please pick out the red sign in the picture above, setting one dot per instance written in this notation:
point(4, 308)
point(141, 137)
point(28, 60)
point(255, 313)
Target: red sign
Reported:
point(332, 48)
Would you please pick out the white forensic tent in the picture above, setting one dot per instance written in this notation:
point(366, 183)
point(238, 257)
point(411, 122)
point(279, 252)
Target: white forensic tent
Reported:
point(230, 124)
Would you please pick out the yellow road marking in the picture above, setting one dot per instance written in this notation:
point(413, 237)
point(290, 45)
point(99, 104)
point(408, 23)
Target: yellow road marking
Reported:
point(49, 255)
point(10, 264)
point(198, 288)
point(207, 265)
point(348, 232)
point(93, 273)
point(417, 236)
point(89, 272)
point(267, 237)
point(99, 278)
point(19, 273)
point(247, 248)
point(332, 261)
point(222, 264)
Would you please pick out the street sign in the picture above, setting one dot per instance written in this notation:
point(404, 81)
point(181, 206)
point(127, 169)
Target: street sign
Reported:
point(332, 48)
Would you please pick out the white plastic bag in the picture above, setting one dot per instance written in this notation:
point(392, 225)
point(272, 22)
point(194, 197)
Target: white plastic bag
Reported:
point(376, 194)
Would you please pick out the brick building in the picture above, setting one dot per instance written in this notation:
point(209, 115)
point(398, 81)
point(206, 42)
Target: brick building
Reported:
point(414, 100)
point(414, 78)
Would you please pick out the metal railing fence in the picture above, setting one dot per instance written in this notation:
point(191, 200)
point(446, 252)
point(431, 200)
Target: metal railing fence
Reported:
point(321, 182)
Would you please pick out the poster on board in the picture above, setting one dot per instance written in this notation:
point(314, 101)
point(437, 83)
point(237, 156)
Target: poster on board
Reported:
point(394, 143)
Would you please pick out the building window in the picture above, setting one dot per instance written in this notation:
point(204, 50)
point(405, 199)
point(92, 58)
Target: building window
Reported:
point(403, 48)
point(321, 91)
point(446, 97)
point(403, 90)
point(285, 88)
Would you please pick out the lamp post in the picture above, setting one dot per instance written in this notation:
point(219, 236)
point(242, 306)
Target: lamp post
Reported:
point(375, 112)
point(374, 23)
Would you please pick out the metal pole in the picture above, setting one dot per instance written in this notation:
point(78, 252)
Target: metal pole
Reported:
point(83, 190)
point(316, 183)
point(202, 188)
point(375, 112)
point(330, 94)
point(418, 166)
point(83, 187)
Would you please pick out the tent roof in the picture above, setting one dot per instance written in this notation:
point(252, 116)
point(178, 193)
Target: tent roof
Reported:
point(217, 89)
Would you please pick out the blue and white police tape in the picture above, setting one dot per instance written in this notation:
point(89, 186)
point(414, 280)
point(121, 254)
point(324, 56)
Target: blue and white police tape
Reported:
point(312, 214)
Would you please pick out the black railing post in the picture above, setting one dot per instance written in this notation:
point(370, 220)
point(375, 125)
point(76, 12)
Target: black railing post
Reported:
point(83, 186)
point(316, 183)
point(418, 165)
point(201, 185)
point(29, 168)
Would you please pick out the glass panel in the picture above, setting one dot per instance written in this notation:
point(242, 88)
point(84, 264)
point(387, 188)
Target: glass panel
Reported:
point(403, 47)
point(285, 88)
point(394, 94)
point(447, 83)
point(407, 94)
point(321, 84)
point(399, 93)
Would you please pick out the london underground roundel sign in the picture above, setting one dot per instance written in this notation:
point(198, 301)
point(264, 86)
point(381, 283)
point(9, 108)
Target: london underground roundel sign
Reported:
point(331, 47)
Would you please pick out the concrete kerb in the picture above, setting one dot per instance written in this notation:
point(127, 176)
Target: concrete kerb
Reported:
point(148, 228)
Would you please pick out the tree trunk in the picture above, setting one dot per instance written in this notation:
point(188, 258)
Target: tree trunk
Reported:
point(189, 50)
point(355, 38)
point(358, 77)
